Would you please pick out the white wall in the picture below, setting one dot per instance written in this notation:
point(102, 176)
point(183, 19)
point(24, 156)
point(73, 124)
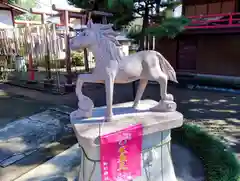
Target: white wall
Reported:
point(6, 19)
point(125, 49)
point(178, 11)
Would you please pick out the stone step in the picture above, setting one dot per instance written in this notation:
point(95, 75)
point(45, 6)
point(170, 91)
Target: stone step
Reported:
point(23, 137)
point(28, 142)
point(63, 167)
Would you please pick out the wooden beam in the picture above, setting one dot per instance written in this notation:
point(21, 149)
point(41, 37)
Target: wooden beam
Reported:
point(70, 15)
point(27, 22)
point(76, 15)
point(41, 11)
point(79, 10)
point(15, 8)
point(212, 31)
point(69, 9)
point(101, 13)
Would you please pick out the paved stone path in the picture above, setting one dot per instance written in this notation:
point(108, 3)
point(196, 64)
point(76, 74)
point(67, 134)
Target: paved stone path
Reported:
point(13, 107)
point(25, 136)
point(218, 112)
point(31, 132)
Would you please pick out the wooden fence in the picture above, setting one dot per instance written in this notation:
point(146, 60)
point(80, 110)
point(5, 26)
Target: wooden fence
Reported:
point(35, 53)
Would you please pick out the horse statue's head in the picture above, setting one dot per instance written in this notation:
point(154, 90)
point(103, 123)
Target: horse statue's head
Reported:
point(92, 35)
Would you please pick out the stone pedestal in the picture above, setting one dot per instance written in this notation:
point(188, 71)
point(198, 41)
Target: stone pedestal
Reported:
point(156, 157)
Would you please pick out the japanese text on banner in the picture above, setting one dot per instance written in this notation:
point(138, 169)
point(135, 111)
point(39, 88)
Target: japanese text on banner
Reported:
point(121, 154)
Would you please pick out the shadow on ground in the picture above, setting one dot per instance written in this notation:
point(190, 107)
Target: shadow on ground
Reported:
point(217, 112)
point(14, 107)
point(26, 142)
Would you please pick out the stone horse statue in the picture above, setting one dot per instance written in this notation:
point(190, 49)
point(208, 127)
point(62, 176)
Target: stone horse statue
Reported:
point(112, 67)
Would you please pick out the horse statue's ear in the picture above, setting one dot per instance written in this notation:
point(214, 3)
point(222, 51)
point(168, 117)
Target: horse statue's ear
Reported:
point(90, 23)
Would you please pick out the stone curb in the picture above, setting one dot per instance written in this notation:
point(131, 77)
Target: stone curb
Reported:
point(62, 167)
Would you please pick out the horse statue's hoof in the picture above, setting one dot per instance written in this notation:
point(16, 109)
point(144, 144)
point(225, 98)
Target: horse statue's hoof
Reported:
point(108, 119)
point(85, 103)
point(169, 97)
point(85, 108)
point(79, 113)
point(165, 106)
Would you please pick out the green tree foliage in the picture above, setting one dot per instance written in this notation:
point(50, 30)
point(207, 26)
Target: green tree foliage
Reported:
point(122, 14)
point(152, 12)
point(26, 4)
point(169, 27)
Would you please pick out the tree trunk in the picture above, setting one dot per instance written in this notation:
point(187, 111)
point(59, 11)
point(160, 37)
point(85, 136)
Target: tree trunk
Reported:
point(144, 26)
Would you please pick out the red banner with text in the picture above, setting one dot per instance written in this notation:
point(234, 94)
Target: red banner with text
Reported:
point(120, 154)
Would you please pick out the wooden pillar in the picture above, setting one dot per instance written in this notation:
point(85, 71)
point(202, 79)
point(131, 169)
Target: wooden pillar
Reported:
point(43, 18)
point(31, 75)
point(47, 56)
point(67, 48)
point(85, 51)
point(104, 20)
point(62, 19)
point(13, 20)
point(237, 6)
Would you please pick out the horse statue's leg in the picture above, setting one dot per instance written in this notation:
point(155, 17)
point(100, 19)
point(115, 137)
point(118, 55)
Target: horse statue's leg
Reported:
point(109, 88)
point(166, 103)
point(163, 81)
point(141, 87)
point(85, 104)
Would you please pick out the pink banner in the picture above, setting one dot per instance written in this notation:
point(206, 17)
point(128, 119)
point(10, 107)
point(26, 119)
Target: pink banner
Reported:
point(121, 154)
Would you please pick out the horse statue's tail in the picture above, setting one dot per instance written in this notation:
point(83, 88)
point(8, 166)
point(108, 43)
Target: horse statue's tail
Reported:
point(167, 68)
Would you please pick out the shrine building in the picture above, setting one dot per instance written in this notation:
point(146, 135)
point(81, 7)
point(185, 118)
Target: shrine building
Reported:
point(210, 44)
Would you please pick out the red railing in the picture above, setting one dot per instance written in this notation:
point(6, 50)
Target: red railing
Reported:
point(214, 21)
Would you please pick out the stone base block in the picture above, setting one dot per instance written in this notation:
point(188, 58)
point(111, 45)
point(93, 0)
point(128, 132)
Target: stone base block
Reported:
point(156, 157)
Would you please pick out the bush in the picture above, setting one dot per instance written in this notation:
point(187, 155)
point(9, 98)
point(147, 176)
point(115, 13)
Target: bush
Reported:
point(219, 162)
point(77, 58)
point(132, 52)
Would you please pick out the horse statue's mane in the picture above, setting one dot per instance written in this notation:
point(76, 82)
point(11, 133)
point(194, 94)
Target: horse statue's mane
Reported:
point(106, 39)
